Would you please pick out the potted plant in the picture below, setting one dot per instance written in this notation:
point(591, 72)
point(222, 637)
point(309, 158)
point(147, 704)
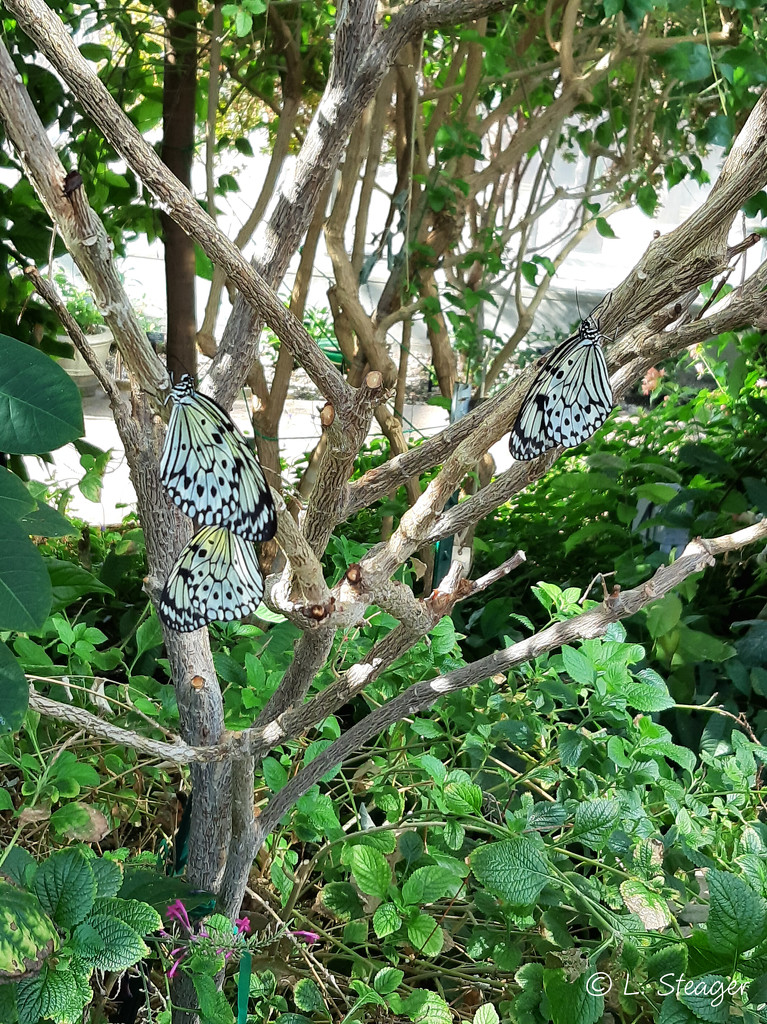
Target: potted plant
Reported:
point(82, 307)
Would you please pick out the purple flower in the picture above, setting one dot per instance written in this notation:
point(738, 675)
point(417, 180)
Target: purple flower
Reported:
point(308, 937)
point(177, 912)
point(242, 925)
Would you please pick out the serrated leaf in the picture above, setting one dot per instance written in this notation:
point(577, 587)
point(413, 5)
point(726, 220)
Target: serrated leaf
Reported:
point(51, 995)
point(27, 935)
point(142, 918)
point(737, 919)
point(571, 1001)
point(515, 869)
point(371, 870)
point(578, 666)
point(386, 920)
point(462, 798)
point(425, 935)
point(427, 885)
point(651, 909)
point(66, 887)
point(341, 900)
point(486, 1014)
point(707, 998)
point(108, 944)
point(424, 1007)
point(308, 997)
point(595, 820)
point(387, 980)
point(108, 875)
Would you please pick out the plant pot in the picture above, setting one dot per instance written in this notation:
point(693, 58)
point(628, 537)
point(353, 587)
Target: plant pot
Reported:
point(78, 369)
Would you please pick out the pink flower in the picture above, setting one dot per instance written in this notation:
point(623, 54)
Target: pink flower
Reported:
point(177, 912)
point(308, 937)
point(242, 925)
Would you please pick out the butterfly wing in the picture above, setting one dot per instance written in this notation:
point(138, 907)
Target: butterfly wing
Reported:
point(528, 438)
point(216, 578)
point(579, 397)
point(210, 472)
point(570, 397)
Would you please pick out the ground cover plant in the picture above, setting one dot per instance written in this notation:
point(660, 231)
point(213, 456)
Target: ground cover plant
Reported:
point(510, 796)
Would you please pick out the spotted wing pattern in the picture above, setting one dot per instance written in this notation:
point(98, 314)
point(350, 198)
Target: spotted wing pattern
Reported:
point(570, 397)
point(210, 472)
point(216, 578)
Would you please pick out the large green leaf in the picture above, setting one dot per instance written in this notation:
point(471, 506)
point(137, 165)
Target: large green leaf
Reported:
point(25, 587)
point(66, 887)
point(15, 499)
point(27, 935)
point(515, 869)
point(14, 692)
point(40, 407)
point(70, 581)
point(737, 920)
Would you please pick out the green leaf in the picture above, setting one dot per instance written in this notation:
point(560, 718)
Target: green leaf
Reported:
point(651, 909)
point(40, 407)
point(341, 899)
point(647, 200)
point(45, 521)
point(427, 885)
point(707, 998)
point(529, 272)
point(595, 821)
point(689, 62)
point(108, 944)
point(424, 1007)
point(578, 666)
point(672, 1012)
point(14, 692)
point(52, 995)
point(604, 229)
point(486, 1014)
point(308, 997)
point(646, 691)
point(66, 887)
point(108, 875)
point(386, 920)
point(570, 1001)
point(515, 869)
point(275, 774)
point(70, 581)
point(737, 920)
point(213, 1002)
point(425, 935)
point(15, 499)
point(669, 960)
point(27, 935)
point(387, 980)
point(663, 615)
point(25, 589)
point(371, 870)
point(140, 916)
point(462, 797)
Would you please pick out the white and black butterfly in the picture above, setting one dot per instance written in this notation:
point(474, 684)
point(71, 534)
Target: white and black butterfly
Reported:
point(210, 472)
point(216, 578)
point(570, 397)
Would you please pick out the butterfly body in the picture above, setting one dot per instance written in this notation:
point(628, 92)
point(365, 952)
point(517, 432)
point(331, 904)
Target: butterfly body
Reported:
point(570, 397)
point(210, 472)
point(215, 578)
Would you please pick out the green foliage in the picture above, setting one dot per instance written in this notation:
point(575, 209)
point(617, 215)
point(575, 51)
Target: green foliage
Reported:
point(65, 905)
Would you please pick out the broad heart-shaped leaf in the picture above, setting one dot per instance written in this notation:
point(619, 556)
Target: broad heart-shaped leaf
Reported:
point(52, 995)
point(15, 499)
point(66, 887)
point(515, 869)
point(27, 935)
point(25, 587)
point(595, 820)
point(14, 692)
point(140, 916)
point(341, 900)
point(737, 920)
point(427, 885)
point(40, 407)
point(108, 944)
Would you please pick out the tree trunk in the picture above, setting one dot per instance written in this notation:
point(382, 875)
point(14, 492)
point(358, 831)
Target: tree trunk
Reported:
point(177, 152)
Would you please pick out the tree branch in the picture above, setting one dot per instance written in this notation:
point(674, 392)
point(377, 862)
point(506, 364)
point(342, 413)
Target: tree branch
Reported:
point(421, 696)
